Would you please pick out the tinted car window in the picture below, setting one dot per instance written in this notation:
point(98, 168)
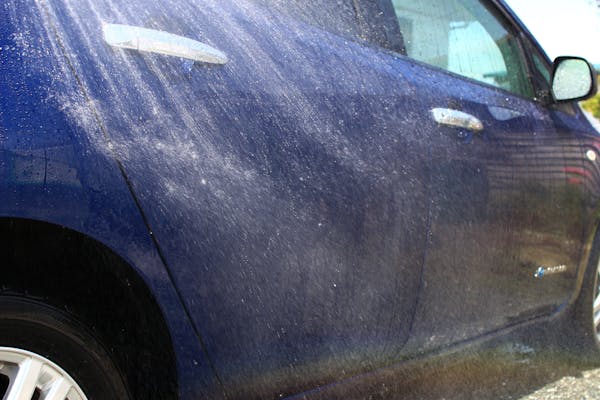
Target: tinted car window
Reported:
point(464, 37)
point(540, 66)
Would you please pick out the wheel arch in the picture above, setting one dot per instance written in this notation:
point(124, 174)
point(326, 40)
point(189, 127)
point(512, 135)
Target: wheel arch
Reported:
point(82, 276)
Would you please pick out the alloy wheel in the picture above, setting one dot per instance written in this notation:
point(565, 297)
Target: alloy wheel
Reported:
point(28, 376)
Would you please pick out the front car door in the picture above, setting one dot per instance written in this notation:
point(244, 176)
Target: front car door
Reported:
point(502, 208)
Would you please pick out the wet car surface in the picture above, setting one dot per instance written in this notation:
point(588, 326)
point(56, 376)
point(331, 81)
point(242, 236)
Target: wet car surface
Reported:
point(506, 370)
point(531, 363)
point(331, 194)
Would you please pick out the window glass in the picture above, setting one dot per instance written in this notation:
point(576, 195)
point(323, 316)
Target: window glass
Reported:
point(464, 37)
point(541, 74)
point(540, 66)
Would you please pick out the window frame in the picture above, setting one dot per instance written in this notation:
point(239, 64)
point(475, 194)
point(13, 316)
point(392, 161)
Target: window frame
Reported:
point(505, 17)
point(541, 86)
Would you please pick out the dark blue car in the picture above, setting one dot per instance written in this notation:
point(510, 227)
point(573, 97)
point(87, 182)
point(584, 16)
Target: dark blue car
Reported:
point(236, 199)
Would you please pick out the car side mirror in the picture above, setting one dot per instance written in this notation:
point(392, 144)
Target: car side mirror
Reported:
point(574, 79)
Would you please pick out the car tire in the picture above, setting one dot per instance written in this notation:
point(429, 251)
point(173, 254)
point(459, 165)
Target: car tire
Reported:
point(52, 351)
point(584, 335)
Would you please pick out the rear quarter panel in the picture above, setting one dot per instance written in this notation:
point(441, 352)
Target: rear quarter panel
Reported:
point(56, 166)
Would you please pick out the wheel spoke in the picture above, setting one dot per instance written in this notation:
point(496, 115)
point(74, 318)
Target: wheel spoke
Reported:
point(59, 390)
point(26, 380)
point(596, 306)
point(32, 376)
point(597, 303)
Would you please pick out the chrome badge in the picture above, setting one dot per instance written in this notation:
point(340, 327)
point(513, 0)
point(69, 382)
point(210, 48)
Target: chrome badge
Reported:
point(543, 271)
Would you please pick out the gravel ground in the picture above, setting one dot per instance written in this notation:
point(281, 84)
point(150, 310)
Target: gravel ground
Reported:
point(586, 386)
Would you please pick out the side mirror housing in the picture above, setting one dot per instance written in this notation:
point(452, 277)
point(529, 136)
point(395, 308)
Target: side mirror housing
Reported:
point(573, 79)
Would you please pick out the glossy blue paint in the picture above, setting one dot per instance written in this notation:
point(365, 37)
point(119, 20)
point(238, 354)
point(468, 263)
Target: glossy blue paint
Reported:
point(51, 172)
point(297, 214)
point(298, 251)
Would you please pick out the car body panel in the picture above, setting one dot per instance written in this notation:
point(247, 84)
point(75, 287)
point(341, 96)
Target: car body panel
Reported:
point(292, 216)
point(297, 213)
point(502, 207)
point(51, 171)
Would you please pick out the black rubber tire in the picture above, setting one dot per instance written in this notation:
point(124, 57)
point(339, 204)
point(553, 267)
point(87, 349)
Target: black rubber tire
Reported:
point(47, 331)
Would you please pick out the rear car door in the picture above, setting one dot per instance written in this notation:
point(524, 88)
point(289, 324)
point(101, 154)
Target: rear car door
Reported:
point(286, 190)
point(499, 211)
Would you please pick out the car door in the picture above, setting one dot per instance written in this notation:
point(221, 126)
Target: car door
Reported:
point(500, 214)
point(286, 190)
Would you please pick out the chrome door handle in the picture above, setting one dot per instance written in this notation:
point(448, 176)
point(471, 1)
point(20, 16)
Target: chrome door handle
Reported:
point(457, 119)
point(153, 41)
